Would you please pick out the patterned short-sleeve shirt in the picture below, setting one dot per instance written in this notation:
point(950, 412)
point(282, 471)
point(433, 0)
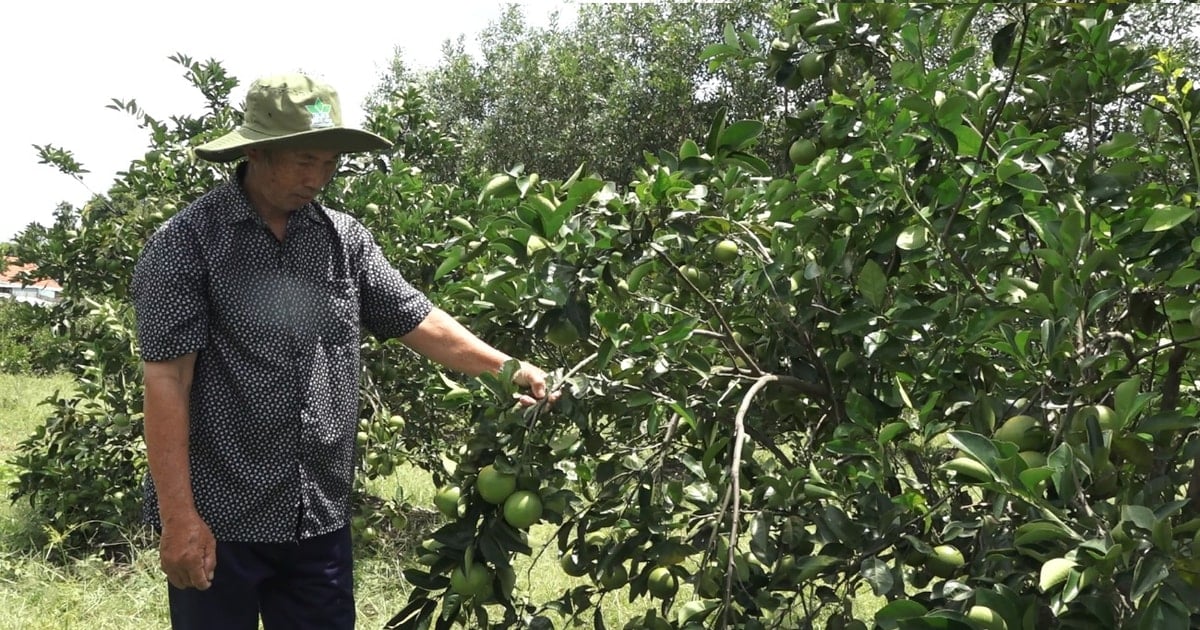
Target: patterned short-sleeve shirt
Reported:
point(276, 326)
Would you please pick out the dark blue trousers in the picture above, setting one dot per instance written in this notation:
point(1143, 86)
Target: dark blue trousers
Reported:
point(293, 586)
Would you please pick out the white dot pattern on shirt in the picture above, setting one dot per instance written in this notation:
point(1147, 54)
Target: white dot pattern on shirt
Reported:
point(276, 325)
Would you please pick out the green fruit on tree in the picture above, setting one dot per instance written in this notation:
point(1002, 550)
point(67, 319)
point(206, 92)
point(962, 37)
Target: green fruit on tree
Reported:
point(968, 468)
point(1024, 431)
point(596, 540)
point(495, 486)
point(574, 565)
point(945, 561)
point(1033, 459)
point(522, 509)
point(812, 65)
point(1105, 417)
point(803, 16)
point(698, 277)
point(802, 151)
point(615, 576)
point(446, 501)
point(662, 583)
point(827, 26)
point(562, 333)
point(725, 251)
point(476, 582)
point(987, 618)
point(794, 78)
point(1134, 451)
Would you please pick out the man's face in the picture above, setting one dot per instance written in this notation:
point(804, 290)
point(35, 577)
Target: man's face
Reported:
point(289, 178)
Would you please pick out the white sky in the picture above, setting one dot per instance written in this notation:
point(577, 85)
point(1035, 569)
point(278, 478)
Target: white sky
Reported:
point(63, 61)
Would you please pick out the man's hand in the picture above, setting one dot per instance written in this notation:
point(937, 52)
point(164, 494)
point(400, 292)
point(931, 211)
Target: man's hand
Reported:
point(533, 377)
point(188, 552)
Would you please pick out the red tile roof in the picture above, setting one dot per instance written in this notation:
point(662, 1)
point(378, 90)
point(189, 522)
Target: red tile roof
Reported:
point(12, 270)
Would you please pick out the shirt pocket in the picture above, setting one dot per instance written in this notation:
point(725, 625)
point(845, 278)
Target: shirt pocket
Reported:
point(342, 313)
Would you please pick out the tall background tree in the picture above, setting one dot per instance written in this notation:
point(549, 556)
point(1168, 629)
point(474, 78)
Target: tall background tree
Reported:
point(622, 79)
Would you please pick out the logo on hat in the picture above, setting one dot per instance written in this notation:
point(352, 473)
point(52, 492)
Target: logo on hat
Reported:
point(321, 113)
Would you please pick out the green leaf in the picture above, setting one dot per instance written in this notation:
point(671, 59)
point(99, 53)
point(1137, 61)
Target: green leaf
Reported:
point(912, 237)
point(1164, 610)
point(1031, 478)
point(899, 609)
point(1102, 186)
point(715, 130)
point(695, 164)
point(969, 140)
point(535, 244)
point(1035, 532)
point(717, 50)
point(964, 24)
point(1151, 570)
point(740, 134)
point(950, 112)
point(1184, 276)
point(1140, 515)
point(917, 104)
point(755, 164)
point(872, 283)
point(696, 611)
point(878, 575)
point(453, 257)
point(415, 615)
point(1007, 168)
point(1120, 141)
point(688, 149)
point(978, 447)
point(1002, 44)
point(424, 580)
point(908, 74)
point(1168, 421)
point(500, 186)
point(892, 431)
point(731, 36)
point(1165, 217)
point(1125, 397)
point(916, 315)
point(1027, 182)
point(813, 566)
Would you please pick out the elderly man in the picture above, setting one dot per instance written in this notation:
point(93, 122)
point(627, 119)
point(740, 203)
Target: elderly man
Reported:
point(249, 306)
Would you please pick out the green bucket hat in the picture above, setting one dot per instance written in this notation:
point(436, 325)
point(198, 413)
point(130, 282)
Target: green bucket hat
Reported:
point(294, 111)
